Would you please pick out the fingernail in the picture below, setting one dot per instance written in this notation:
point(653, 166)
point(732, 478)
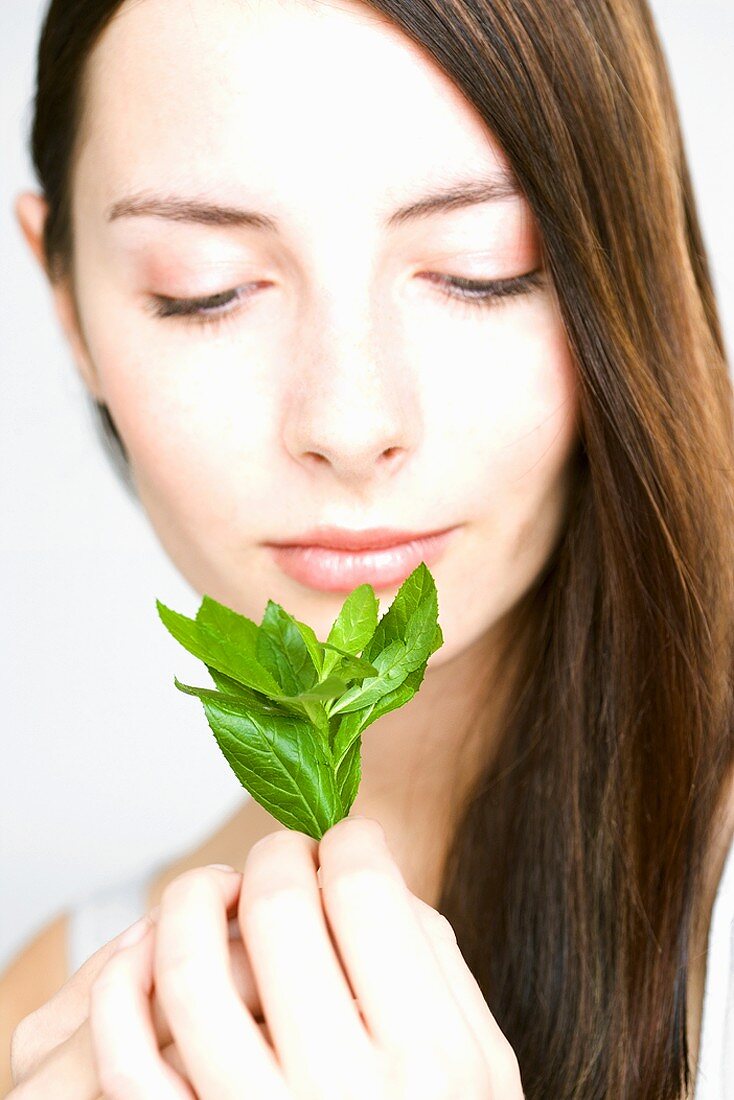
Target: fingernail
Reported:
point(221, 866)
point(377, 826)
point(134, 933)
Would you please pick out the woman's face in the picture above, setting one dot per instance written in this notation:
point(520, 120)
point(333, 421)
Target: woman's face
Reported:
point(342, 383)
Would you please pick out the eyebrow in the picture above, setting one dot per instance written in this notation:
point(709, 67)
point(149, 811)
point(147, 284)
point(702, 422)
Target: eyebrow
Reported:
point(500, 185)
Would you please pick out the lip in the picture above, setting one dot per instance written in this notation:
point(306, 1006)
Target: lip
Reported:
point(334, 569)
point(371, 538)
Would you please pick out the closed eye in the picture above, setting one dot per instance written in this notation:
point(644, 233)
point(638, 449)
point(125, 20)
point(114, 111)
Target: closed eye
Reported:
point(470, 292)
point(483, 294)
point(188, 307)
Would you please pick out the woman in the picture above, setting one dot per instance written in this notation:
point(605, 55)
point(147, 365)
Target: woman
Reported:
point(435, 265)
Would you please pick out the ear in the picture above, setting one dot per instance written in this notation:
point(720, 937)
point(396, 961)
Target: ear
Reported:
point(31, 211)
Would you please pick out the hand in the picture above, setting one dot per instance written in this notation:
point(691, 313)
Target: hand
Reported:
point(52, 1051)
point(420, 1026)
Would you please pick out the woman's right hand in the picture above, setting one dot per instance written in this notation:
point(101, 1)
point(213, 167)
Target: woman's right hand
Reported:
point(52, 1053)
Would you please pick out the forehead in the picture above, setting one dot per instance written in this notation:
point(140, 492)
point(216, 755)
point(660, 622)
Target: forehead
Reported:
point(283, 97)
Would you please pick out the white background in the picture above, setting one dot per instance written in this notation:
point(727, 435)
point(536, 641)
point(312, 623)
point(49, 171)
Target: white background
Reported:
point(106, 768)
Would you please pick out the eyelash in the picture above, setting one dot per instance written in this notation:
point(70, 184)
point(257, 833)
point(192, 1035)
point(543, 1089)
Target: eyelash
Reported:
point(468, 293)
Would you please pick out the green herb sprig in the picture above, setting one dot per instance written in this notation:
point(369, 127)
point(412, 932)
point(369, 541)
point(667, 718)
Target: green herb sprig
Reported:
point(288, 711)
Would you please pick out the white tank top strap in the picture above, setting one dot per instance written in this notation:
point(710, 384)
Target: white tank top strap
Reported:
point(100, 916)
point(715, 1073)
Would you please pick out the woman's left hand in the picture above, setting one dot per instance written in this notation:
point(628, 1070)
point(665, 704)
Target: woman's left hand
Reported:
point(376, 1004)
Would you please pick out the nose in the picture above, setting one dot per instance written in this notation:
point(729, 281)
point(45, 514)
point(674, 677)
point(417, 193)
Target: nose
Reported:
point(353, 411)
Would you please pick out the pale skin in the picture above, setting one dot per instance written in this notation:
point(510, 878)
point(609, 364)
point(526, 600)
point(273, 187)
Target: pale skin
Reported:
point(351, 386)
point(345, 387)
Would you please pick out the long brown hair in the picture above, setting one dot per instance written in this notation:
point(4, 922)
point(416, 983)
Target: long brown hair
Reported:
point(577, 862)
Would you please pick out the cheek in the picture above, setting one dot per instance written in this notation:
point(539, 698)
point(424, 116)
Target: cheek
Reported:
point(512, 434)
point(507, 407)
point(533, 412)
point(162, 413)
point(521, 415)
point(194, 446)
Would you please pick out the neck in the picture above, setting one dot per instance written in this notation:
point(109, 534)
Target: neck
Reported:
point(419, 762)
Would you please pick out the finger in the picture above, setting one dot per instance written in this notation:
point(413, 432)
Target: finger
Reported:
point(69, 1067)
point(125, 1045)
point(317, 1031)
point(67, 1063)
point(390, 963)
point(174, 1059)
point(56, 1021)
point(171, 1055)
point(66, 1070)
point(466, 990)
point(242, 976)
point(220, 1043)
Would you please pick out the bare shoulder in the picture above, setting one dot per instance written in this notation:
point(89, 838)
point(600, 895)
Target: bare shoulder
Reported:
point(36, 971)
point(32, 977)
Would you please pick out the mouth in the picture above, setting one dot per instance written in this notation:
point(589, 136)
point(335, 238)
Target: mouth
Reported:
point(340, 568)
point(372, 538)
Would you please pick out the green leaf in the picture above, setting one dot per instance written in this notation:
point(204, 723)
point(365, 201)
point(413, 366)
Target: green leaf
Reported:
point(331, 688)
point(288, 711)
point(237, 629)
point(354, 625)
point(409, 618)
point(421, 629)
point(208, 640)
point(437, 640)
point(281, 649)
point(356, 622)
point(351, 726)
point(228, 686)
point(392, 670)
point(315, 712)
point(280, 762)
point(402, 694)
point(313, 645)
point(354, 666)
point(254, 704)
point(348, 775)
